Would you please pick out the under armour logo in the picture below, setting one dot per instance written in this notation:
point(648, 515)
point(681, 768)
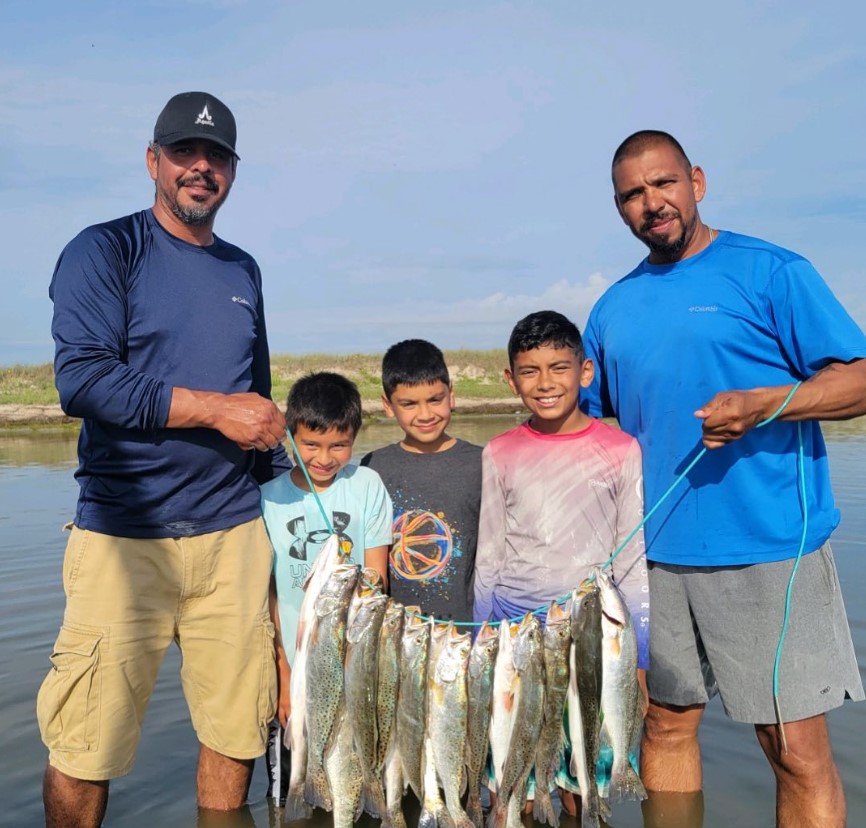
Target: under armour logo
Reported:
point(301, 538)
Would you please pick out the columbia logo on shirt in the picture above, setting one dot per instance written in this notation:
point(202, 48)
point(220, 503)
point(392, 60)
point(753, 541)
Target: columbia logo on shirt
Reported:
point(703, 308)
point(241, 301)
point(204, 117)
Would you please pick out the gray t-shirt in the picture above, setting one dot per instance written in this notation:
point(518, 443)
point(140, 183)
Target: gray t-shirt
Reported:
point(437, 498)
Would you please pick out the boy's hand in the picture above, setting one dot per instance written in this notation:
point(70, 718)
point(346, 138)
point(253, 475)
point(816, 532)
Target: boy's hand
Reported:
point(284, 705)
point(284, 683)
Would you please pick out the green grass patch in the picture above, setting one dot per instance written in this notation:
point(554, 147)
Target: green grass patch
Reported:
point(28, 385)
point(475, 374)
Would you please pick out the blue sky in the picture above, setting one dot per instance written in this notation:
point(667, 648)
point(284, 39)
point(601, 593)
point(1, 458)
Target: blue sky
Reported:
point(430, 169)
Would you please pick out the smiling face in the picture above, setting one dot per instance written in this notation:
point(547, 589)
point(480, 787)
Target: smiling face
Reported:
point(423, 412)
point(193, 178)
point(548, 381)
point(657, 195)
point(322, 453)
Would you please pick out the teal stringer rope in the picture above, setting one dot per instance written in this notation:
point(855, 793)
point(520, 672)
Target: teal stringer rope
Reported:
point(310, 483)
point(647, 516)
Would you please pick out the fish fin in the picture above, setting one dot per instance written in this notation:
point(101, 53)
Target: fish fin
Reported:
point(427, 819)
point(498, 814)
point(473, 806)
point(589, 819)
point(317, 791)
point(462, 820)
point(296, 807)
point(373, 798)
point(542, 808)
point(626, 785)
point(592, 806)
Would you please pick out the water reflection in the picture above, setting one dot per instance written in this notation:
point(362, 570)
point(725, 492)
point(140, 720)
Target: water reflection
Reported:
point(52, 447)
point(56, 447)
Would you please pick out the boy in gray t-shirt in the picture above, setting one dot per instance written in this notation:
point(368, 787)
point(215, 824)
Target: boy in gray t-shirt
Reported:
point(435, 485)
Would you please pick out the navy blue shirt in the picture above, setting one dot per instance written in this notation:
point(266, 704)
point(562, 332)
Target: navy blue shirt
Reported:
point(137, 312)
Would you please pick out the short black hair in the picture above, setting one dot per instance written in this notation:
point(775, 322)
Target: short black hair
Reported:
point(545, 327)
point(322, 401)
point(413, 362)
point(641, 141)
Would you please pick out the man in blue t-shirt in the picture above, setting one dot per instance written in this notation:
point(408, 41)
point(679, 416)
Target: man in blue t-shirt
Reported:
point(706, 312)
point(161, 349)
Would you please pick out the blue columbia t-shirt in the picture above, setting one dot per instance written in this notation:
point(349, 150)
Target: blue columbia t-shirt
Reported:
point(137, 312)
point(665, 340)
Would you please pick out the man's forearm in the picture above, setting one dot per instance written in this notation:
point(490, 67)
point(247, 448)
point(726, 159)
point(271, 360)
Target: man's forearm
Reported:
point(248, 419)
point(837, 392)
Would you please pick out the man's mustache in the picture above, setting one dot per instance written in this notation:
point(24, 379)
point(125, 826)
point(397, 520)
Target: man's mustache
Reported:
point(652, 219)
point(199, 180)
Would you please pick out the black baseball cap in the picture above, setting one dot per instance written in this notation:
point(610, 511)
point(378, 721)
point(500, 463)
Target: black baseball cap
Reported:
point(196, 115)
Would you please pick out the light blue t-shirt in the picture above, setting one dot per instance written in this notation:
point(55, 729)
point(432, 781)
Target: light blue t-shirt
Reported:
point(359, 509)
point(665, 340)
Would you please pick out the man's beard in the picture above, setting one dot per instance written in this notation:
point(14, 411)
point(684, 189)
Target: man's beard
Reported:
point(665, 249)
point(194, 214)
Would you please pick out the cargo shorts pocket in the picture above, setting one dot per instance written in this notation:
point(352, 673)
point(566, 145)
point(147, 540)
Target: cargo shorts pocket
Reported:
point(68, 702)
point(268, 682)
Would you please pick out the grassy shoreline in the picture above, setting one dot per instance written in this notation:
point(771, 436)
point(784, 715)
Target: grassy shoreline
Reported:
point(28, 396)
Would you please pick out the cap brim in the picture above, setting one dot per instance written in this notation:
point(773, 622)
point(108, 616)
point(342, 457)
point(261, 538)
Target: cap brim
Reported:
point(177, 137)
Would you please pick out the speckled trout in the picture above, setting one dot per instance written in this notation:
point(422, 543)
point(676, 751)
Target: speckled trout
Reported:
point(528, 659)
point(621, 702)
point(412, 697)
point(584, 699)
point(329, 557)
point(448, 703)
point(551, 741)
point(482, 660)
point(361, 677)
point(325, 683)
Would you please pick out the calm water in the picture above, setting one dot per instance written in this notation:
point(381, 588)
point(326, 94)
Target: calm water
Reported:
point(37, 496)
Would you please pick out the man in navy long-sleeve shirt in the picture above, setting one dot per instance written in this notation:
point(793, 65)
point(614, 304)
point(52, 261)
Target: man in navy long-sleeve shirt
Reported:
point(161, 349)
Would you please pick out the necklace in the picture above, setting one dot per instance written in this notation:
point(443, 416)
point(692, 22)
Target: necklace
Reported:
point(712, 234)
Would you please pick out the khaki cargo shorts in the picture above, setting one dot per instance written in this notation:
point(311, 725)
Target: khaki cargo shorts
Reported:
point(126, 601)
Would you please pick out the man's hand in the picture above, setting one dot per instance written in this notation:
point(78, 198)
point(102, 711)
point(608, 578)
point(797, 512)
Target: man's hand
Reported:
point(250, 420)
point(729, 415)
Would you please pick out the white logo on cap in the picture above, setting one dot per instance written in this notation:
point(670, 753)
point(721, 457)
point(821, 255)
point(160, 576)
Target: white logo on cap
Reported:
point(204, 117)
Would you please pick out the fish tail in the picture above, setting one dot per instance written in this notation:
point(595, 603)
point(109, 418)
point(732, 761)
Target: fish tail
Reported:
point(296, 807)
point(317, 792)
point(497, 817)
point(373, 797)
point(394, 819)
point(445, 820)
point(427, 819)
point(462, 820)
point(542, 808)
point(473, 806)
point(589, 818)
point(626, 785)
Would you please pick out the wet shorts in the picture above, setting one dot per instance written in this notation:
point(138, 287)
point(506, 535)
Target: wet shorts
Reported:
point(126, 601)
point(716, 630)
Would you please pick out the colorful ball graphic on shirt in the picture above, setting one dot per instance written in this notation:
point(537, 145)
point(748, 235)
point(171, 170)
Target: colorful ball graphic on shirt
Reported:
point(422, 545)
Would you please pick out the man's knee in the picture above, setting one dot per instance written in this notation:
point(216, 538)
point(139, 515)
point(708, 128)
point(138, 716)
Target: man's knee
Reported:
point(806, 752)
point(71, 802)
point(670, 723)
point(223, 783)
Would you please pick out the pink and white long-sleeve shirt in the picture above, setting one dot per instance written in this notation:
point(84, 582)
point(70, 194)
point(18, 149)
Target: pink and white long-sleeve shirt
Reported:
point(552, 507)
